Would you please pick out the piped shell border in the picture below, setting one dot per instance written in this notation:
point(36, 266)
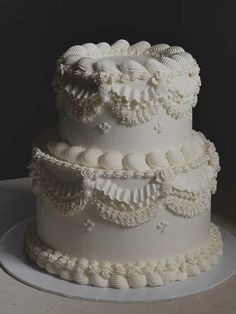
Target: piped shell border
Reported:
point(129, 275)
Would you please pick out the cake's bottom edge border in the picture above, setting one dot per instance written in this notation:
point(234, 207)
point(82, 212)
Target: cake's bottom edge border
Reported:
point(129, 275)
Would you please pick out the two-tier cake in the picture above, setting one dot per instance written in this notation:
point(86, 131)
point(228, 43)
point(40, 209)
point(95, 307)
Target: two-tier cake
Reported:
point(123, 185)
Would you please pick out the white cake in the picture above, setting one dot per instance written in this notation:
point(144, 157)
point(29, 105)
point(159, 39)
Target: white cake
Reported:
point(123, 185)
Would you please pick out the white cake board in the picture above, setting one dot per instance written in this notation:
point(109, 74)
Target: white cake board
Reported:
point(14, 261)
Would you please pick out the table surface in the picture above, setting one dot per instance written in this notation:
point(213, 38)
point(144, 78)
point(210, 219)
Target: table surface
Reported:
point(16, 297)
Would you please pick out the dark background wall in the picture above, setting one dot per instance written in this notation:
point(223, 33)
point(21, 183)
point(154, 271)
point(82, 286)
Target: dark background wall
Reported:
point(35, 33)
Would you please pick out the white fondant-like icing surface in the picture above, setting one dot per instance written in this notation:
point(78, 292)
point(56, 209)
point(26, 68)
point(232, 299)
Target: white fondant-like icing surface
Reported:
point(141, 138)
point(104, 242)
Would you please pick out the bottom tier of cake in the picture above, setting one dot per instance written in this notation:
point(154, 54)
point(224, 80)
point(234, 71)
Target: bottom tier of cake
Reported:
point(125, 275)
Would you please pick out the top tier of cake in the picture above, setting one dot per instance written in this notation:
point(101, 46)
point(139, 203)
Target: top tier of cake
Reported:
point(125, 98)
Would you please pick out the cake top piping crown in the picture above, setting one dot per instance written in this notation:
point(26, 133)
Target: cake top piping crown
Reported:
point(139, 60)
point(133, 80)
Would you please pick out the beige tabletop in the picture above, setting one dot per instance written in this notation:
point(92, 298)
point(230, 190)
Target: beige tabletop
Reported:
point(16, 297)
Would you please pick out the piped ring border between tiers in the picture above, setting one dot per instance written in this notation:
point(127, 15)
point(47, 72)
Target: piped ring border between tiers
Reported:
point(210, 156)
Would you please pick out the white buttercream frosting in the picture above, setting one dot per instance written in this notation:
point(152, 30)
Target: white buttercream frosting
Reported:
point(175, 157)
point(183, 189)
point(130, 275)
point(137, 161)
point(90, 157)
point(123, 75)
point(111, 160)
point(124, 167)
point(72, 153)
point(157, 159)
point(206, 154)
